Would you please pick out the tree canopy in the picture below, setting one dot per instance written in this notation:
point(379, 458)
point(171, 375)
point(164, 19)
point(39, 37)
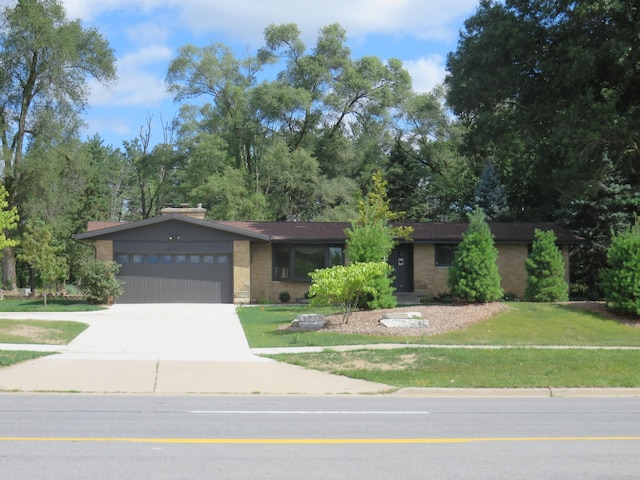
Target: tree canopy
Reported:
point(46, 60)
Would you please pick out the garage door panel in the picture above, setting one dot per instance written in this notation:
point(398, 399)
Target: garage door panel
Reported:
point(177, 282)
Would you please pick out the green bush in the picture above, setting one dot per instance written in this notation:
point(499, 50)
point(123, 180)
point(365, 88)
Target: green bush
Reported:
point(545, 270)
point(344, 286)
point(97, 280)
point(284, 296)
point(621, 280)
point(382, 295)
point(473, 275)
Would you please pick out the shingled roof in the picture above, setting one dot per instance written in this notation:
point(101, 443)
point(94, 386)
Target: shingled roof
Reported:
point(333, 232)
point(422, 232)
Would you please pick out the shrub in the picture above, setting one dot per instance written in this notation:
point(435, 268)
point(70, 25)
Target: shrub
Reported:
point(97, 280)
point(473, 275)
point(545, 271)
point(621, 280)
point(382, 295)
point(284, 296)
point(344, 285)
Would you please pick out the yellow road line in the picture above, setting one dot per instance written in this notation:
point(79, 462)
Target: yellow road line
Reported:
point(306, 441)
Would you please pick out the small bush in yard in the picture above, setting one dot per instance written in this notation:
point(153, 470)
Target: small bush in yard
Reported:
point(621, 280)
point(345, 285)
point(284, 296)
point(545, 270)
point(97, 280)
point(473, 276)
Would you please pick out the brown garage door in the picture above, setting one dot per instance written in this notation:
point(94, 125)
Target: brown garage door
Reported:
point(175, 278)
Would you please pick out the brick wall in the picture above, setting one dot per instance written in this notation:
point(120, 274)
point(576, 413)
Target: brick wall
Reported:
point(104, 250)
point(428, 279)
point(432, 280)
point(241, 271)
point(511, 267)
point(263, 288)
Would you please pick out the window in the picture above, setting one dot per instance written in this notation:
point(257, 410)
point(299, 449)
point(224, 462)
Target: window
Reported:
point(122, 259)
point(336, 256)
point(138, 258)
point(444, 255)
point(151, 258)
point(165, 259)
point(295, 262)
point(194, 258)
point(281, 263)
point(307, 259)
point(208, 258)
point(181, 259)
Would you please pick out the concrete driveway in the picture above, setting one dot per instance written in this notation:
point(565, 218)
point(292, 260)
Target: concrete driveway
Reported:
point(164, 348)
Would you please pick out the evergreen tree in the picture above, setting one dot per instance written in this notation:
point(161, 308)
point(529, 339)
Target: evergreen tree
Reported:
point(372, 238)
point(473, 275)
point(545, 270)
point(621, 281)
point(490, 194)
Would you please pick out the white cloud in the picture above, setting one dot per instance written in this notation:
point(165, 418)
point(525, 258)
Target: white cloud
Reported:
point(138, 84)
point(245, 20)
point(426, 73)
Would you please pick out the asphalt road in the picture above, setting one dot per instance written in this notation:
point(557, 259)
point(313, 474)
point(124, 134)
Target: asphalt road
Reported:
point(357, 437)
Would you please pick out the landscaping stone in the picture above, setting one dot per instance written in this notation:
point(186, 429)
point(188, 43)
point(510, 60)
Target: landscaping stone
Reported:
point(309, 321)
point(404, 320)
point(402, 315)
point(404, 323)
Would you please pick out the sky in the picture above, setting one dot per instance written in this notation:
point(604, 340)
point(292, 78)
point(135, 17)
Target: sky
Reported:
point(146, 35)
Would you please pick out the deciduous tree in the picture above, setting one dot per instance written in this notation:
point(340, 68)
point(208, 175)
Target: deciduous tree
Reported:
point(40, 250)
point(46, 60)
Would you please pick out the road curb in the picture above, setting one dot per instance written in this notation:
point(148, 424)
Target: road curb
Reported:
point(518, 392)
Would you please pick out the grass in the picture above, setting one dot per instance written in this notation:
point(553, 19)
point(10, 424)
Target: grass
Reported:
point(523, 324)
point(263, 328)
point(53, 305)
point(39, 331)
point(544, 324)
point(480, 368)
point(513, 366)
point(12, 357)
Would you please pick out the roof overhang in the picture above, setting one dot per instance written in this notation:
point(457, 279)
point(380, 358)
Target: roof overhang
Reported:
point(97, 234)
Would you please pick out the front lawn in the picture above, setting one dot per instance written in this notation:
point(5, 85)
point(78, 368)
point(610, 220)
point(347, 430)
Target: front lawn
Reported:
point(263, 327)
point(520, 325)
point(513, 366)
point(8, 357)
point(42, 332)
point(479, 368)
point(53, 305)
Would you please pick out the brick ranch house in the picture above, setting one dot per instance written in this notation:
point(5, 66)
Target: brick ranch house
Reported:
point(180, 257)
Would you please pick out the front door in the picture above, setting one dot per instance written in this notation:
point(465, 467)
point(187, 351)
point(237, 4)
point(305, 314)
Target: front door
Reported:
point(401, 259)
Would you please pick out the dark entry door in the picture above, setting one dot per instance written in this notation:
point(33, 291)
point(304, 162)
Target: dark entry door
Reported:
point(401, 260)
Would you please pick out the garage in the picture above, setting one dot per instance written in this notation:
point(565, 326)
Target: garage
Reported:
point(173, 258)
point(175, 278)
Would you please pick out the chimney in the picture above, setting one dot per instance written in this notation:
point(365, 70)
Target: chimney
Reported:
point(186, 210)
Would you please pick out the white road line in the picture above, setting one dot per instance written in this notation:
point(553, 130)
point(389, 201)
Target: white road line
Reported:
point(305, 412)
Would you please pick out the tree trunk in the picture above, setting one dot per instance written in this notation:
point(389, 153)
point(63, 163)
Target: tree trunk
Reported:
point(9, 269)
